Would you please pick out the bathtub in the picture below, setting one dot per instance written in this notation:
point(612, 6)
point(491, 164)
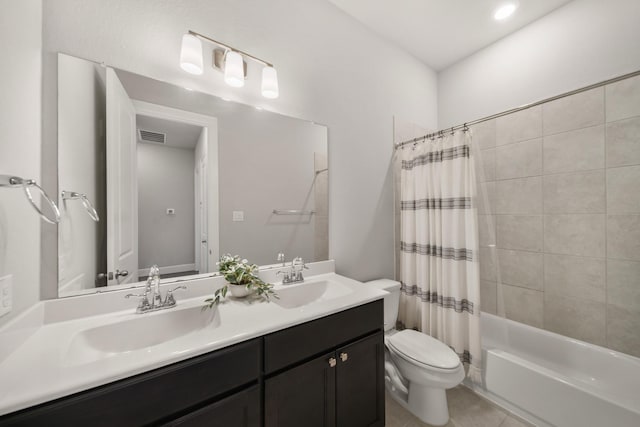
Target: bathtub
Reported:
point(552, 380)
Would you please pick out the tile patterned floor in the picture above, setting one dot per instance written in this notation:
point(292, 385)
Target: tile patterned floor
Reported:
point(466, 409)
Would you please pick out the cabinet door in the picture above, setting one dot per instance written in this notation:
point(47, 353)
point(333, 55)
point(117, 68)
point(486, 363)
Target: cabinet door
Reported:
point(303, 396)
point(360, 383)
point(241, 409)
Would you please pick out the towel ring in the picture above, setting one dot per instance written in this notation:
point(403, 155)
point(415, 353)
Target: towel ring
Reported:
point(72, 195)
point(10, 181)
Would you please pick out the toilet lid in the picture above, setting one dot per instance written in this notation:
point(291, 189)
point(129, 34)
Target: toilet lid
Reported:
point(424, 349)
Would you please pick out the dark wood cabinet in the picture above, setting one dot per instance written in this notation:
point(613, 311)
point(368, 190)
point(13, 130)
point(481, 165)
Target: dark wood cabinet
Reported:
point(343, 386)
point(241, 409)
point(327, 372)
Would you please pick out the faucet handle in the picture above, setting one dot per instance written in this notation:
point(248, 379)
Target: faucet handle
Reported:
point(169, 300)
point(281, 258)
point(144, 304)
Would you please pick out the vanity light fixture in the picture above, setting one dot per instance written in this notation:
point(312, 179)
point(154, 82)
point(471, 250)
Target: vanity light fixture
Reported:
point(505, 10)
point(229, 60)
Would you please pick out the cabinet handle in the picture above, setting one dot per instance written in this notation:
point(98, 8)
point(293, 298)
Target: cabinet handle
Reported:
point(332, 362)
point(344, 357)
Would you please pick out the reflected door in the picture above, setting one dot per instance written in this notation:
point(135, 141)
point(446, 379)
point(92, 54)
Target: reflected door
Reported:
point(122, 188)
point(204, 241)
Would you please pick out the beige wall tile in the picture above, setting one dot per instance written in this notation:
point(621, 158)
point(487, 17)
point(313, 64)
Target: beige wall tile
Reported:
point(520, 232)
point(623, 99)
point(487, 230)
point(488, 264)
point(623, 237)
point(582, 192)
point(623, 142)
point(484, 134)
point(575, 276)
point(521, 304)
point(575, 234)
point(486, 200)
point(577, 111)
point(520, 268)
point(486, 165)
point(488, 297)
point(622, 330)
point(623, 190)
point(623, 284)
point(575, 318)
point(576, 150)
point(519, 160)
point(519, 196)
point(520, 126)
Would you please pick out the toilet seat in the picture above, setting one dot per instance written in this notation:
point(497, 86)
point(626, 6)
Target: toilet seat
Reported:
point(423, 350)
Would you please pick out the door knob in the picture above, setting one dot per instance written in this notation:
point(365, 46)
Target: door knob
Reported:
point(123, 273)
point(344, 357)
point(332, 362)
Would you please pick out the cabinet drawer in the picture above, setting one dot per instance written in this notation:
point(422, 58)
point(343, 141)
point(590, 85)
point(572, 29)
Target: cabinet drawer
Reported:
point(241, 409)
point(151, 396)
point(298, 343)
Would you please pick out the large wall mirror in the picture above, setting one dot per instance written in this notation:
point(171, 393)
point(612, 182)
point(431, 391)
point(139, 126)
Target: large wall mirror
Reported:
point(152, 173)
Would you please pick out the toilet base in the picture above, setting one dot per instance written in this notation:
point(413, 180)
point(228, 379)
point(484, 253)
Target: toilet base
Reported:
point(429, 404)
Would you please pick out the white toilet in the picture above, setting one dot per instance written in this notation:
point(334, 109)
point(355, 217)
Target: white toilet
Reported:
point(418, 368)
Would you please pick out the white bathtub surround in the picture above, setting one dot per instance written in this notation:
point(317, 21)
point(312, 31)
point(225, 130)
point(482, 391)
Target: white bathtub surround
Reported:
point(439, 267)
point(47, 352)
point(552, 380)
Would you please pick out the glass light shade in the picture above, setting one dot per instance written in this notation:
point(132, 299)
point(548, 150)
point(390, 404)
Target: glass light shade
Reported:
point(234, 69)
point(191, 54)
point(270, 83)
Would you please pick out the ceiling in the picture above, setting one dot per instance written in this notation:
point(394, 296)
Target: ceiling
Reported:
point(179, 135)
point(442, 32)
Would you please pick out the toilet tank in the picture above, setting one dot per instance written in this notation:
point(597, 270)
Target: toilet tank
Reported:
point(391, 300)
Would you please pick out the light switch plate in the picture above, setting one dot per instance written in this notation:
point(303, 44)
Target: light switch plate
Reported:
point(6, 294)
point(238, 216)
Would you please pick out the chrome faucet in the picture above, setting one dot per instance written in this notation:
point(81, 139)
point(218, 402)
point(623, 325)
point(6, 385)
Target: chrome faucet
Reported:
point(294, 275)
point(156, 303)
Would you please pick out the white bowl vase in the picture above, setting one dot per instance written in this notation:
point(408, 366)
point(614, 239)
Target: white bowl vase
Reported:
point(239, 291)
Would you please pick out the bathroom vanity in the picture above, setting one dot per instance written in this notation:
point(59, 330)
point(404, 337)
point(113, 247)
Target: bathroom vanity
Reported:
point(321, 369)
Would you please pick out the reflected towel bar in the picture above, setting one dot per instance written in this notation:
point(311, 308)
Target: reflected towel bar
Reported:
point(292, 212)
point(10, 181)
point(72, 195)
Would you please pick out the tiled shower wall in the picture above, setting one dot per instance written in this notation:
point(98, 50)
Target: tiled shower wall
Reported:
point(560, 215)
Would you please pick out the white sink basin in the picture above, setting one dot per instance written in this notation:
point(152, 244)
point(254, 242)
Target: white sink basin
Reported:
point(140, 332)
point(311, 292)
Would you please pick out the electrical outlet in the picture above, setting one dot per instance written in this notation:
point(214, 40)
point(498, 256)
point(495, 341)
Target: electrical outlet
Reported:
point(238, 216)
point(6, 295)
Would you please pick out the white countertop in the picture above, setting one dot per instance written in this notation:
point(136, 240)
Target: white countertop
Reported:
point(37, 360)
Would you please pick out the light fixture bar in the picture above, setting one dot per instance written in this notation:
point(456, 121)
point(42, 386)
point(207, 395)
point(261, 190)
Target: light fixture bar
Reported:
point(226, 46)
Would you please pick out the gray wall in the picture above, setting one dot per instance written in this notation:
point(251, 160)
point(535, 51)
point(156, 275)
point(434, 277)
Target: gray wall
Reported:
point(165, 180)
point(82, 169)
point(560, 215)
point(581, 43)
point(267, 163)
point(20, 139)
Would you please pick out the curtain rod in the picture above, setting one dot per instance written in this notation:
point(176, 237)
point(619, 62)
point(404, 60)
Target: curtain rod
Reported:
point(465, 126)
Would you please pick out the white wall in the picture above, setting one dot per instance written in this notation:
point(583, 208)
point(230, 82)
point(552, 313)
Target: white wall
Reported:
point(165, 180)
point(82, 169)
point(584, 42)
point(20, 86)
point(331, 70)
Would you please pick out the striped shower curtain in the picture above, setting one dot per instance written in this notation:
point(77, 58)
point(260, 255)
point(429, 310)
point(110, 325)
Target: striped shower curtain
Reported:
point(439, 269)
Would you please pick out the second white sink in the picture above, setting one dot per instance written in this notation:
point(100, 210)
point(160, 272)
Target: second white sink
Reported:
point(311, 292)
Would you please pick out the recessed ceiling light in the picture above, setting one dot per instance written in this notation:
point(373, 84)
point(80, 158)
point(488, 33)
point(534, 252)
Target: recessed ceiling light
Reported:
point(504, 11)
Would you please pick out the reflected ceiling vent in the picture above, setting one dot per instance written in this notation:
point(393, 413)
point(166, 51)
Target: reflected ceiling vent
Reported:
point(150, 136)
